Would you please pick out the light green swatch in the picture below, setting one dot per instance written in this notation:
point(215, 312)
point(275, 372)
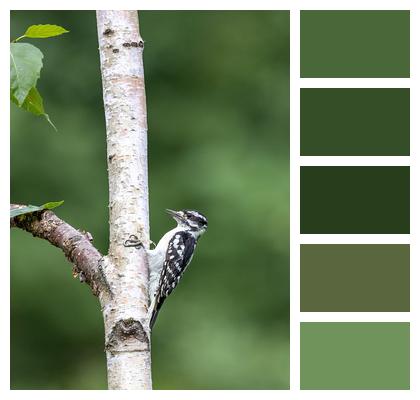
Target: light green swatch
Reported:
point(355, 355)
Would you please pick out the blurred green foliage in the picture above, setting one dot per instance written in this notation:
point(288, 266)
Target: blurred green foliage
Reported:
point(218, 109)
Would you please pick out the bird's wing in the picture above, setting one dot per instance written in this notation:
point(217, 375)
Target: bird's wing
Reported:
point(178, 256)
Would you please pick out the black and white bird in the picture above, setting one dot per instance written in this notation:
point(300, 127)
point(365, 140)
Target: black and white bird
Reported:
point(169, 259)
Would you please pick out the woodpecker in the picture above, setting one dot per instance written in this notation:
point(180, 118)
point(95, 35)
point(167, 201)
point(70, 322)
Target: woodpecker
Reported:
point(172, 255)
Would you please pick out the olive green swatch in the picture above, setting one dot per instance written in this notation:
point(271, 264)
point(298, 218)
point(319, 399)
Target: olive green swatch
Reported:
point(354, 200)
point(355, 278)
point(355, 122)
point(355, 44)
point(355, 355)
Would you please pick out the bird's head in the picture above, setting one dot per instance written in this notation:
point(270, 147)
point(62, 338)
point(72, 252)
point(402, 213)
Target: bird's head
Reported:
point(190, 219)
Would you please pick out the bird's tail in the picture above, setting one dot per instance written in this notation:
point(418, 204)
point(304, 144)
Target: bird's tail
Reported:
point(152, 319)
point(154, 314)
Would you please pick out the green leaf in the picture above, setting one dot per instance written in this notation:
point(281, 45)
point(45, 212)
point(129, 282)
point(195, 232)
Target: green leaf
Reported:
point(44, 31)
point(25, 69)
point(30, 209)
point(34, 104)
point(52, 204)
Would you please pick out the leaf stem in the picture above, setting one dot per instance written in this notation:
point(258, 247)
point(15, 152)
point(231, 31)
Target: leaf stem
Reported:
point(17, 39)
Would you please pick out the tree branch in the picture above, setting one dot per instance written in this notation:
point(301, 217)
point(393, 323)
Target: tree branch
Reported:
point(75, 244)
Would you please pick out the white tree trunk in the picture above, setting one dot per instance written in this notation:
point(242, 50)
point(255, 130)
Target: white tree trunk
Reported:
point(124, 307)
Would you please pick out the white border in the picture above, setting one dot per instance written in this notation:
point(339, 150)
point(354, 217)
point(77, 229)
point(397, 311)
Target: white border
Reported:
point(293, 5)
point(415, 199)
point(354, 83)
point(5, 199)
point(354, 161)
point(354, 239)
point(296, 160)
point(354, 316)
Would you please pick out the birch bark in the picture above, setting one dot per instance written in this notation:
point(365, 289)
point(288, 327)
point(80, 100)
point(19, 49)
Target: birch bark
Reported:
point(124, 307)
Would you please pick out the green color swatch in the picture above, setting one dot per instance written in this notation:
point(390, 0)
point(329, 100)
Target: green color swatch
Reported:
point(355, 355)
point(355, 122)
point(354, 277)
point(355, 44)
point(335, 200)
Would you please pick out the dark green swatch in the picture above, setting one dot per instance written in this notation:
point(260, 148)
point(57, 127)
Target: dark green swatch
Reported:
point(355, 355)
point(346, 200)
point(355, 44)
point(355, 122)
point(354, 277)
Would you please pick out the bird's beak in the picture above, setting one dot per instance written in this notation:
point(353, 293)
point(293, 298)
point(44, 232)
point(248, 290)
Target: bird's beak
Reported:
point(174, 214)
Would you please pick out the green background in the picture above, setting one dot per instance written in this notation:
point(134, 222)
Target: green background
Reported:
point(354, 200)
point(355, 44)
point(355, 122)
point(355, 277)
point(355, 355)
point(218, 109)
